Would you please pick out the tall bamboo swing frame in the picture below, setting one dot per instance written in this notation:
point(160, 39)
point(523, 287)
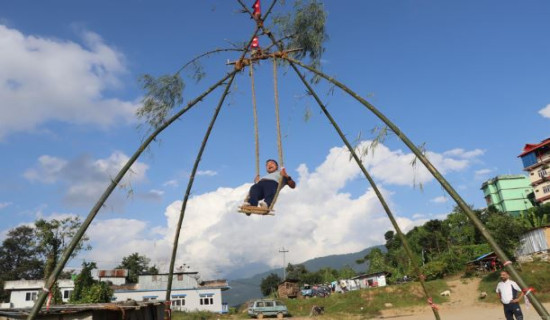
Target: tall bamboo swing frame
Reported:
point(227, 81)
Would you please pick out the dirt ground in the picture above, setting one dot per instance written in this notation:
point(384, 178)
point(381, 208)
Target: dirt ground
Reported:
point(463, 305)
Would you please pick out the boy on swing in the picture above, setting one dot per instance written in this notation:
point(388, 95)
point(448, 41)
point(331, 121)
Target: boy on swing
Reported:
point(265, 188)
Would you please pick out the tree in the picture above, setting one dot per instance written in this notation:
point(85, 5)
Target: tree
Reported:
point(269, 284)
point(53, 237)
point(506, 231)
point(136, 265)
point(377, 261)
point(536, 216)
point(89, 290)
point(19, 257)
point(296, 272)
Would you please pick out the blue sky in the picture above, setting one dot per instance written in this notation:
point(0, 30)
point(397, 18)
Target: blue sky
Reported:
point(469, 79)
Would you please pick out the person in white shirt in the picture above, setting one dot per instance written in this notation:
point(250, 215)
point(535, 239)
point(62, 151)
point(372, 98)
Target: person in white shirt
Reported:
point(510, 294)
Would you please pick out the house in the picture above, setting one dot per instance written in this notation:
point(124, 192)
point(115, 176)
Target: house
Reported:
point(508, 193)
point(115, 276)
point(377, 279)
point(536, 161)
point(288, 289)
point(534, 241)
point(187, 294)
point(23, 293)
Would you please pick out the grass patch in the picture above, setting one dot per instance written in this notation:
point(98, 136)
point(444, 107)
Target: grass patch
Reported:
point(369, 302)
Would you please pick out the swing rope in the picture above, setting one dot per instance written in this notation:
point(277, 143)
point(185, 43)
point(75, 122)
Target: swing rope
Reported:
point(255, 111)
point(279, 140)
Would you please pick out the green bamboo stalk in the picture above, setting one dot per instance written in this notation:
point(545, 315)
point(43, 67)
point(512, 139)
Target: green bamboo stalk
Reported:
point(444, 183)
point(190, 185)
point(373, 185)
point(86, 223)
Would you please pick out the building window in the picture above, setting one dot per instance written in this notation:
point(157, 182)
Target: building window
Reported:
point(542, 173)
point(205, 301)
point(178, 302)
point(546, 189)
point(30, 296)
point(180, 277)
point(67, 294)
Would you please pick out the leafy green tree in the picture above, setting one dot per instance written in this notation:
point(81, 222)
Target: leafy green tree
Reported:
point(506, 231)
point(53, 236)
point(270, 284)
point(89, 290)
point(346, 272)
point(296, 272)
point(377, 261)
point(536, 216)
point(19, 257)
point(136, 265)
point(327, 275)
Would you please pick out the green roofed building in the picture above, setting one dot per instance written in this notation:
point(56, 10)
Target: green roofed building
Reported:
point(508, 193)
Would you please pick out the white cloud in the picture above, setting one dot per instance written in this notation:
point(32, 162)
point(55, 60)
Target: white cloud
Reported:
point(441, 199)
point(209, 173)
point(461, 153)
point(171, 183)
point(4, 204)
point(84, 177)
point(395, 167)
point(52, 80)
point(482, 173)
point(545, 112)
point(317, 218)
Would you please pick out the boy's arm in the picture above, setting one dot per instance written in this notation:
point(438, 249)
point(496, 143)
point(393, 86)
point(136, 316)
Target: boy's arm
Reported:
point(291, 183)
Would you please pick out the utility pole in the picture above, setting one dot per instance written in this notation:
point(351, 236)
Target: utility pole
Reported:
point(284, 251)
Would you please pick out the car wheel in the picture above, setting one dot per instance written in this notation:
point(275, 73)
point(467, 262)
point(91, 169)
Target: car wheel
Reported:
point(280, 315)
point(260, 316)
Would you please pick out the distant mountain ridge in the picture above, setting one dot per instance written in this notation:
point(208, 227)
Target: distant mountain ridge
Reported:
point(244, 289)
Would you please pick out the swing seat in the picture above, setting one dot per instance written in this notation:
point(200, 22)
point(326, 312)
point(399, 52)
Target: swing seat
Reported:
point(248, 210)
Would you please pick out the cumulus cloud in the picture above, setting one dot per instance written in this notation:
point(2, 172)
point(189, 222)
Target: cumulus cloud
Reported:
point(482, 173)
point(441, 199)
point(53, 80)
point(317, 218)
point(545, 112)
point(395, 166)
point(461, 153)
point(171, 183)
point(209, 173)
point(84, 177)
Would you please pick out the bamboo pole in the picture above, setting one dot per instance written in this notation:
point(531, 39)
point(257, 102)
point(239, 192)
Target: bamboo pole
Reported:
point(190, 185)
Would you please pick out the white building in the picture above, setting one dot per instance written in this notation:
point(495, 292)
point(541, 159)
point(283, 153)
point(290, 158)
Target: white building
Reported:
point(23, 293)
point(188, 293)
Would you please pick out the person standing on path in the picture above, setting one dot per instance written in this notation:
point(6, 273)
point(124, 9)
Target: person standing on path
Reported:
point(510, 294)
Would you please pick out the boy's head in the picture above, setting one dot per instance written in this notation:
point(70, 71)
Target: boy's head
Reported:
point(271, 165)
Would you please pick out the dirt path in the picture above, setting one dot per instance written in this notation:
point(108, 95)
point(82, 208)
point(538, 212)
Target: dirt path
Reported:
point(463, 305)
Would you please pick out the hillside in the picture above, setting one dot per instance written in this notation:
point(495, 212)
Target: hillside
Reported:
point(244, 289)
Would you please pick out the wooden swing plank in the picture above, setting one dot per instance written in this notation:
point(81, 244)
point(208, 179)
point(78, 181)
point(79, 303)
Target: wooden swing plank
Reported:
point(255, 210)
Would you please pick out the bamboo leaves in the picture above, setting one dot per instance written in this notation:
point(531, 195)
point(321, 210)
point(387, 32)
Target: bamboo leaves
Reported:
point(162, 95)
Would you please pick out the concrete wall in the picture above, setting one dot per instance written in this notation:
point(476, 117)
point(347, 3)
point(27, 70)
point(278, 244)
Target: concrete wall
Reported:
point(190, 299)
point(25, 292)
